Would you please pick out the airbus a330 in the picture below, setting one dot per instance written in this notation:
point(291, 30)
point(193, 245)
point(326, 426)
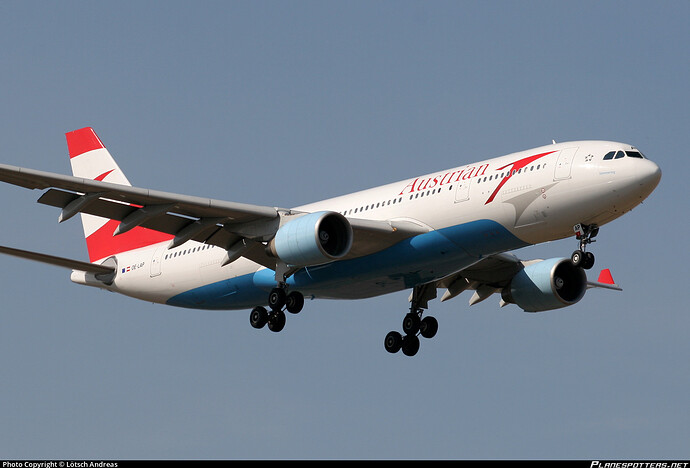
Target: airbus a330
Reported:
point(450, 230)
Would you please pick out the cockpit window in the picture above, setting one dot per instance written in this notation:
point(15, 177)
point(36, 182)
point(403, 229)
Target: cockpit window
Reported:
point(621, 154)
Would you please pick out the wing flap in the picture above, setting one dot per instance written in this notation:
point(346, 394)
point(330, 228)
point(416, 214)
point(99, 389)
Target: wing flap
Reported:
point(485, 277)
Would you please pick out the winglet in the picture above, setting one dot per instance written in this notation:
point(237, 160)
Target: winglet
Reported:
point(605, 281)
point(82, 141)
point(606, 277)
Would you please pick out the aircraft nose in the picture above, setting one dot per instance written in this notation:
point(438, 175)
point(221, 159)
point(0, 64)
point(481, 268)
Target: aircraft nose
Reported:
point(649, 175)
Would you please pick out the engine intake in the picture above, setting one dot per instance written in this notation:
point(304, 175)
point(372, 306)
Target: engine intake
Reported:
point(546, 285)
point(313, 239)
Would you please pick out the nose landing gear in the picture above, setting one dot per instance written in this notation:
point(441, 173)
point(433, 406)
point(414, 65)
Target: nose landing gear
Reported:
point(585, 234)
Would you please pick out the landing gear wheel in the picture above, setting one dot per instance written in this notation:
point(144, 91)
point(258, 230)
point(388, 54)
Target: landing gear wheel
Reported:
point(276, 321)
point(411, 323)
point(276, 299)
point(258, 317)
point(393, 342)
point(428, 327)
point(410, 345)
point(577, 258)
point(294, 302)
point(585, 234)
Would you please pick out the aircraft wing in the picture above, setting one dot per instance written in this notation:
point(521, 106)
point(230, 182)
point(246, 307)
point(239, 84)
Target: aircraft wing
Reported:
point(225, 224)
point(491, 274)
point(486, 277)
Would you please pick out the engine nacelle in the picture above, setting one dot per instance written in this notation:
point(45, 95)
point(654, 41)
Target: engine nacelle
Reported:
point(313, 239)
point(546, 285)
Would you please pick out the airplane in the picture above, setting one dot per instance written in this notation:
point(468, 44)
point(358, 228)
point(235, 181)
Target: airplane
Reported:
point(452, 229)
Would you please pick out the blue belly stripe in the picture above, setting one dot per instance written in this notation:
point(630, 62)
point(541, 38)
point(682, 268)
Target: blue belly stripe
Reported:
point(412, 261)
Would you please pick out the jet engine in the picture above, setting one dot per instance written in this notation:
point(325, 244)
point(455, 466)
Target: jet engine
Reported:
point(313, 239)
point(546, 285)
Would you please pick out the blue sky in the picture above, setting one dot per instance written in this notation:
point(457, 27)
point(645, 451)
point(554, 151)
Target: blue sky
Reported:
point(283, 103)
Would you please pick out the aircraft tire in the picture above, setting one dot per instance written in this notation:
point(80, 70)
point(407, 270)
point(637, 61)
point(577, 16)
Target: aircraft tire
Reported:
point(577, 258)
point(294, 302)
point(276, 321)
point(393, 342)
point(411, 323)
point(258, 317)
point(410, 345)
point(428, 327)
point(276, 299)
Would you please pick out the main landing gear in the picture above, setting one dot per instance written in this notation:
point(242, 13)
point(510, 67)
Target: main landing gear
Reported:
point(413, 323)
point(584, 233)
point(278, 299)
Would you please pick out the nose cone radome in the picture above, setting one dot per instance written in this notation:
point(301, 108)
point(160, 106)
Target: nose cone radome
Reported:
point(649, 175)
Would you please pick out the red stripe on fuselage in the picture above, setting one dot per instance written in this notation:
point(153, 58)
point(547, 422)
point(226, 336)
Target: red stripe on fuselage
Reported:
point(82, 141)
point(102, 243)
point(514, 167)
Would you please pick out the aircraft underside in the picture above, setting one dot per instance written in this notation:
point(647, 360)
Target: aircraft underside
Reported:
point(400, 267)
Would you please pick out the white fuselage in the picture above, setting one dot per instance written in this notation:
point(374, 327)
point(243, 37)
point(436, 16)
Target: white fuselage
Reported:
point(470, 212)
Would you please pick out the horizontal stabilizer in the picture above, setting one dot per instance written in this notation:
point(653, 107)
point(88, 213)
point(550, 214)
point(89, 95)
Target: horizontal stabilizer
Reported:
point(58, 261)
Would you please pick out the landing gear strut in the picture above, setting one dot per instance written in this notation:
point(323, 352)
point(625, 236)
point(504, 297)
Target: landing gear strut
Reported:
point(585, 234)
point(413, 323)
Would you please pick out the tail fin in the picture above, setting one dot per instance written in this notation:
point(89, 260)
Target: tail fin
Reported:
point(91, 160)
